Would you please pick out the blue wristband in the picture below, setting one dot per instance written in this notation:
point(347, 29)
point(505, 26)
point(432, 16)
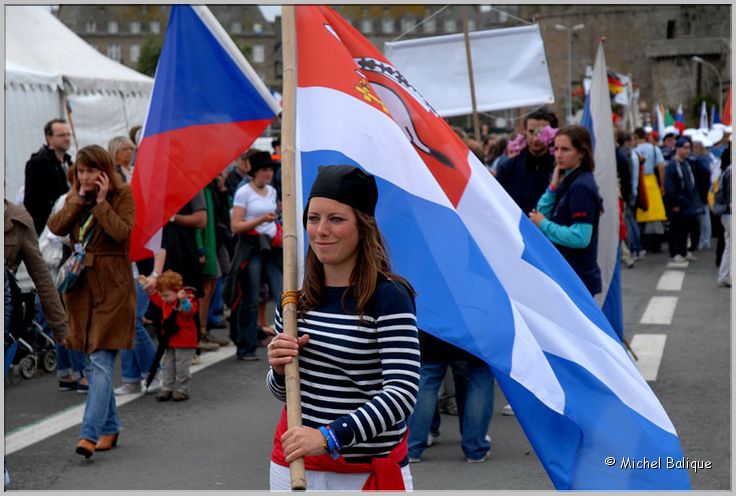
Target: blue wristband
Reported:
point(331, 448)
point(334, 438)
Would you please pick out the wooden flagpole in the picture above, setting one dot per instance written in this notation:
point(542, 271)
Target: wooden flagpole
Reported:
point(288, 155)
point(476, 122)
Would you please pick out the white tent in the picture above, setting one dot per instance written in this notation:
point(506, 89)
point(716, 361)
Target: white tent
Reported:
point(46, 65)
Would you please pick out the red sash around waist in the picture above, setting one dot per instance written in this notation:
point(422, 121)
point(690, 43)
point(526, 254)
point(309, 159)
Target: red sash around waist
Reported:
point(385, 473)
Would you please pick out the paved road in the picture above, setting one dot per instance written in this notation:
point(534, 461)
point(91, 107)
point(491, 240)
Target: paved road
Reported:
point(221, 438)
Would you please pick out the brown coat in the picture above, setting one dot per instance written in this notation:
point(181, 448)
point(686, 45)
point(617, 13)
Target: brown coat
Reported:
point(21, 245)
point(101, 304)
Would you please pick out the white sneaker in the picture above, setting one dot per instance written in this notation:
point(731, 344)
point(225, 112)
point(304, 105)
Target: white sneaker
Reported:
point(156, 384)
point(128, 388)
point(678, 259)
point(691, 256)
point(431, 439)
point(507, 411)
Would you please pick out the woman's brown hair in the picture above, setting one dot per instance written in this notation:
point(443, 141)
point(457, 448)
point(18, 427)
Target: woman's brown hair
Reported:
point(580, 140)
point(371, 264)
point(96, 157)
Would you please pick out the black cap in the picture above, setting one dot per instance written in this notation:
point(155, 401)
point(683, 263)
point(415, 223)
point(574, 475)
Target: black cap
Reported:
point(345, 184)
point(261, 160)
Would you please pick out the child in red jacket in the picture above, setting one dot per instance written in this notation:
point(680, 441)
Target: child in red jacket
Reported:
point(178, 306)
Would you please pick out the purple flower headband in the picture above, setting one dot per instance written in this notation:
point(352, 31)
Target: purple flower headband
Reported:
point(546, 134)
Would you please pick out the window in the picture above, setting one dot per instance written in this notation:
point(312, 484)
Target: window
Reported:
point(430, 26)
point(112, 27)
point(155, 27)
point(366, 26)
point(135, 27)
point(259, 54)
point(502, 16)
point(91, 27)
point(387, 25)
point(114, 52)
point(236, 27)
point(135, 53)
point(257, 28)
point(670, 29)
point(450, 25)
point(406, 24)
point(471, 24)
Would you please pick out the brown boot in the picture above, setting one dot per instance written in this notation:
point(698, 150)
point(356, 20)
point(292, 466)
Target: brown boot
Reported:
point(107, 442)
point(180, 396)
point(85, 448)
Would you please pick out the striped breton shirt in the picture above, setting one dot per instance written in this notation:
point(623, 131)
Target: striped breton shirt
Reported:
point(361, 378)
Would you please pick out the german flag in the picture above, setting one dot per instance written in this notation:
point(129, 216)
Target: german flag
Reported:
point(615, 85)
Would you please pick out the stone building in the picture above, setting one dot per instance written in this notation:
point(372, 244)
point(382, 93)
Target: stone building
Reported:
point(652, 43)
point(121, 31)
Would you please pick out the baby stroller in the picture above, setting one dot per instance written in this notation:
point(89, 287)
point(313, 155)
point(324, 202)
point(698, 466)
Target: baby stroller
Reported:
point(26, 343)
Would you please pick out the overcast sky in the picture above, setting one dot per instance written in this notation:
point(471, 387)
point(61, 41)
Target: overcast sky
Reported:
point(270, 11)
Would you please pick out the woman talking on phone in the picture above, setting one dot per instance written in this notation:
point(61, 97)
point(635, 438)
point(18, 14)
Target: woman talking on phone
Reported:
point(101, 303)
point(568, 212)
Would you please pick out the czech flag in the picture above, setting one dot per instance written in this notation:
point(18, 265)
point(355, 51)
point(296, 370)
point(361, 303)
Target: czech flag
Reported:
point(487, 279)
point(207, 107)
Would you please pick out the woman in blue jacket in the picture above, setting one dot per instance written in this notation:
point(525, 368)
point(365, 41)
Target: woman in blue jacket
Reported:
point(569, 210)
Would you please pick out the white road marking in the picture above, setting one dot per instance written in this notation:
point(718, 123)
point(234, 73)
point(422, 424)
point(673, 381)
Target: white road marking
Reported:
point(671, 280)
point(660, 310)
point(649, 349)
point(678, 265)
point(27, 435)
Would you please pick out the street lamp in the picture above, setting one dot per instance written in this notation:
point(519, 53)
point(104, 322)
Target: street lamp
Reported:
point(699, 60)
point(570, 30)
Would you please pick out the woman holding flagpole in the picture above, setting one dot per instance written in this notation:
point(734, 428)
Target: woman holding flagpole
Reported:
point(569, 211)
point(357, 345)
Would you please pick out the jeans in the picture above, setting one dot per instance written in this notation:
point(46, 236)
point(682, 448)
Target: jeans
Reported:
point(136, 363)
point(705, 230)
point(632, 229)
point(217, 305)
point(246, 338)
point(68, 362)
point(100, 414)
point(475, 406)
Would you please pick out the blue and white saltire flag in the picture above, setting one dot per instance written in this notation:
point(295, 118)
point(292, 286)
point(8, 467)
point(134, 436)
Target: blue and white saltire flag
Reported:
point(597, 118)
point(703, 125)
point(487, 279)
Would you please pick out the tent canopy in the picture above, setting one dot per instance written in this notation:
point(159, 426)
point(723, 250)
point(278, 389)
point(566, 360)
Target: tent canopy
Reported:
point(37, 42)
point(47, 66)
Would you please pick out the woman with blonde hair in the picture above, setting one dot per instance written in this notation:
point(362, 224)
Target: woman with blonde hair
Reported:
point(99, 209)
point(357, 344)
point(122, 151)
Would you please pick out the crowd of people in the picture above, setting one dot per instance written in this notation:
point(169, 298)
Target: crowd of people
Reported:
point(668, 185)
point(220, 263)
